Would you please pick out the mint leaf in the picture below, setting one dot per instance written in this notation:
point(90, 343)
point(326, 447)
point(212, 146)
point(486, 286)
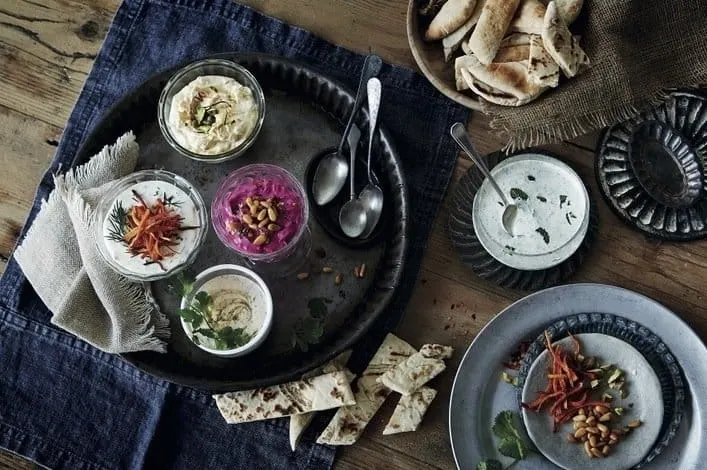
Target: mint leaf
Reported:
point(489, 464)
point(503, 426)
point(517, 193)
point(514, 448)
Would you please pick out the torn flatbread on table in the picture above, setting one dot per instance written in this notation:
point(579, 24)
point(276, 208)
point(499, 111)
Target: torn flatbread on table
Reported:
point(318, 393)
point(412, 373)
point(410, 411)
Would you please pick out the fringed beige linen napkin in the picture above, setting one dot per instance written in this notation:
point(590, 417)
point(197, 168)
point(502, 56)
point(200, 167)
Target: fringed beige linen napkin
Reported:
point(60, 259)
point(638, 49)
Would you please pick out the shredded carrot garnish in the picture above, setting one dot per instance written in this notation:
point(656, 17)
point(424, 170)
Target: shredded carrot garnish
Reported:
point(152, 231)
point(568, 385)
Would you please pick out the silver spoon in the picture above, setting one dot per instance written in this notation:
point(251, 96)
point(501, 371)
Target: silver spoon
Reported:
point(510, 211)
point(330, 175)
point(372, 194)
point(352, 217)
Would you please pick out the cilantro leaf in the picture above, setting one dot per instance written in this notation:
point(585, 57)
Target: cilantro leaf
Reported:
point(503, 426)
point(514, 448)
point(188, 314)
point(233, 337)
point(203, 299)
point(206, 332)
point(489, 464)
point(318, 307)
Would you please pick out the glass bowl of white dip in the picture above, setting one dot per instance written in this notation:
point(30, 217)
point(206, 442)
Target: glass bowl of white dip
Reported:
point(228, 311)
point(174, 203)
point(211, 110)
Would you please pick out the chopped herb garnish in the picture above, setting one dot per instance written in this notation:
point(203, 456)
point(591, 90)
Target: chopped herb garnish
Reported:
point(517, 193)
point(544, 234)
point(531, 178)
point(567, 217)
point(563, 199)
point(309, 330)
point(541, 199)
point(500, 203)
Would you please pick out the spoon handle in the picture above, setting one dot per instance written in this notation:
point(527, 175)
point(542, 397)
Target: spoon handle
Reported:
point(458, 132)
point(354, 136)
point(374, 101)
point(371, 66)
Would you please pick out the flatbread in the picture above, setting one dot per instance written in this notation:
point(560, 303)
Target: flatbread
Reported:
point(516, 39)
point(313, 394)
point(512, 54)
point(491, 28)
point(542, 68)
point(452, 42)
point(528, 18)
point(505, 84)
point(451, 17)
point(560, 44)
point(410, 410)
point(436, 351)
point(347, 425)
point(460, 63)
point(300, 423)
point(569, 9)
point(412, 373)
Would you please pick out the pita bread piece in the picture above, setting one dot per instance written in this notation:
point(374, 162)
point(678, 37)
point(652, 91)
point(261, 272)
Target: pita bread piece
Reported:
point(314, 394)
point(512, 54)
point(460, 63)
point(560, 44)
point(451, 17)
point(410, 410)
point(542, 68)
point(300, 423)
point(491, 28)
point(528, 18)
point(436, 351)
point(412, 373)
point(347, 425)
point(452, 42)
point(516, 39)
point(504, 84)
point(569, 9)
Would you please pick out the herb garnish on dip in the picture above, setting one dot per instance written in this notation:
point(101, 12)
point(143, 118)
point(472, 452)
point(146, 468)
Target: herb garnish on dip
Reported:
point(151, 227)
point(212, 115)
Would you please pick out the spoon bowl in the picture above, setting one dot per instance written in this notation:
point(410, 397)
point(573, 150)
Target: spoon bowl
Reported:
point(510, 211)
point(372, 194)
point(353, 217)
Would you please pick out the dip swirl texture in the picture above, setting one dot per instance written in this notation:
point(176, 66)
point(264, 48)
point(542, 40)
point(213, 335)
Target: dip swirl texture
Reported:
point(212, 115)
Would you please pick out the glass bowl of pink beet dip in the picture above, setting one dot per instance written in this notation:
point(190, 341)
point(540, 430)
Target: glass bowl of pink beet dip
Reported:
point(261, 211)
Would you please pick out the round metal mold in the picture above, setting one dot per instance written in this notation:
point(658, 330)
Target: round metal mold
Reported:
point(651, 169)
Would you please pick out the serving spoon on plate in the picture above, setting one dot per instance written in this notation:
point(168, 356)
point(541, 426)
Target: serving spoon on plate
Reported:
point(330, 175)
point(352, 217)
point(372, 195)
point(510, 211)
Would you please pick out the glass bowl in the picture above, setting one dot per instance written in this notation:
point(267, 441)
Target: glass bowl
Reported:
point(260, 181)
point(189, 73)
point(252, 280)
point(151, 185)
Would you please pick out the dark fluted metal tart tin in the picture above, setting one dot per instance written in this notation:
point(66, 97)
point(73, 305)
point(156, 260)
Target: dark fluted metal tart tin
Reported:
point(651, 169)
point(304, 115)
point(473, 254)
point(646, 342)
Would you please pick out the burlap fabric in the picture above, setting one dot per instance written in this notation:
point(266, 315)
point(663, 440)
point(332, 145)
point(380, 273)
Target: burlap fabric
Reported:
point(639, 49)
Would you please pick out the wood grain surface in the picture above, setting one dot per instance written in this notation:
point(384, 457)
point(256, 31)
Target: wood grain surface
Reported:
point(46, 50)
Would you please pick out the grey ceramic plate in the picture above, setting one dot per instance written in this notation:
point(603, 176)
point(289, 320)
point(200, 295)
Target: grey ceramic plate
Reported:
point(645, 400)
point(478, 394)
point(304, 115)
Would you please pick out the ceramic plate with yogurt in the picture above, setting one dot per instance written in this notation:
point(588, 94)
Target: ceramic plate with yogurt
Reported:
point(553, 212)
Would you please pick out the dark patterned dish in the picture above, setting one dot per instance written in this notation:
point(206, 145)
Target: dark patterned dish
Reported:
point(295, 94)
point(464, 239)
point(646, 342)
point(651, 169)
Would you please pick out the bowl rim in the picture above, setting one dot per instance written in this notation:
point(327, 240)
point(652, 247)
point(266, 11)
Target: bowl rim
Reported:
point(163, 103)
point(266, 326)
point(118, 186)
point(414, 37)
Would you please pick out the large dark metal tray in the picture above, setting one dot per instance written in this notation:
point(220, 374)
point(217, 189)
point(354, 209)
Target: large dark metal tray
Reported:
point(305, 112)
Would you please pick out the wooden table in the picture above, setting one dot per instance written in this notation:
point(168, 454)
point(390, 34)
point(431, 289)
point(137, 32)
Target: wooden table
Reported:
point(46, 50)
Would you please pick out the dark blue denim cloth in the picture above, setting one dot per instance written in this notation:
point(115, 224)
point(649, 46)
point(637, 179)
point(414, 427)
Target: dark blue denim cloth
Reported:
point(65, 404)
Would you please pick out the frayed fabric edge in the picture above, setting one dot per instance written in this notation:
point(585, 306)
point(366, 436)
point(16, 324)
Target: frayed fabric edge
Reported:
point(574, 127)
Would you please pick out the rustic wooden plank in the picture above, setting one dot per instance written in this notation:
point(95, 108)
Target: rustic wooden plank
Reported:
point(368, 454)
point(28, 146)
point(10, 461)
